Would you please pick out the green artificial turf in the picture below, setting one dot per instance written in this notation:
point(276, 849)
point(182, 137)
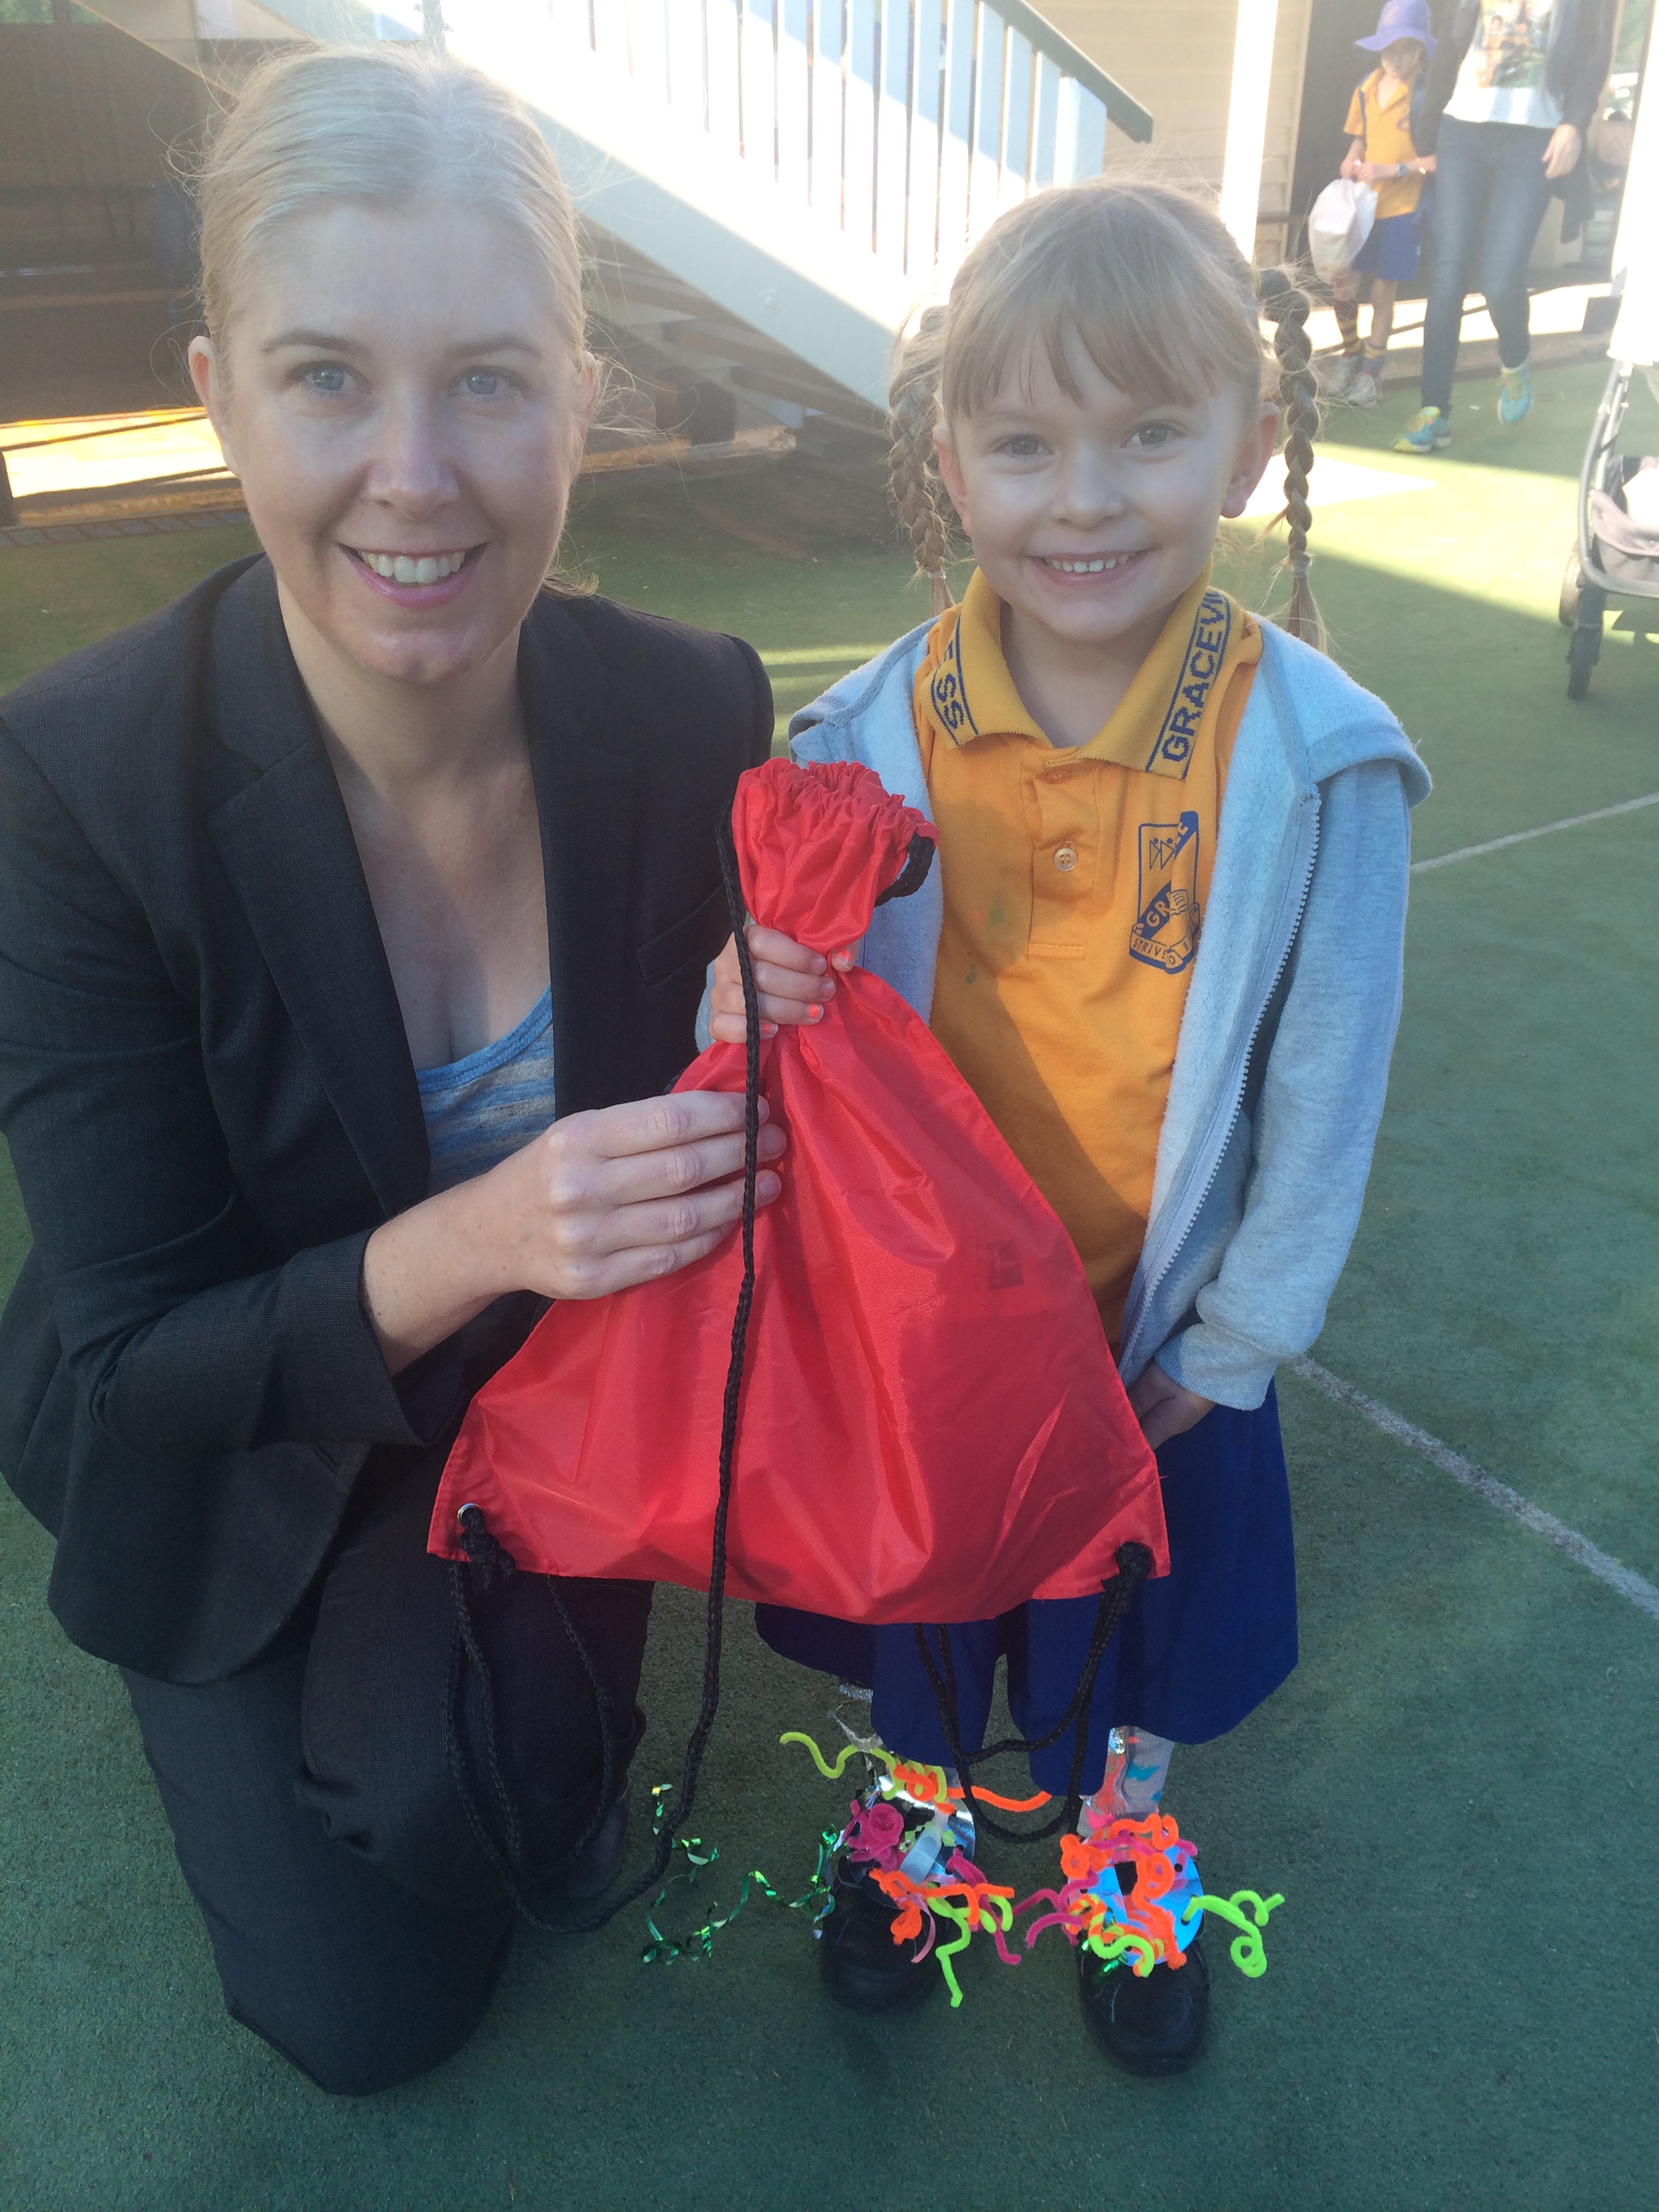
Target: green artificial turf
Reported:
point(1457, 1790)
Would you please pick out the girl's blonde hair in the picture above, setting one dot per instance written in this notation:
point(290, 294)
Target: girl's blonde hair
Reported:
point(1151, 286)
point(384, 126)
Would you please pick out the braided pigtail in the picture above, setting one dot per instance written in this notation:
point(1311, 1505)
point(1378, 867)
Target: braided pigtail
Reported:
point(913, 465)
point(1286, 308)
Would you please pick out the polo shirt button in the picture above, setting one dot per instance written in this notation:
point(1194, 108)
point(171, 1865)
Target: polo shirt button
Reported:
point(1065, 859)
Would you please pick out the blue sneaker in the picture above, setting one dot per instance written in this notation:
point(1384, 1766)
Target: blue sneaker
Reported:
point(1515, 394)
point(1428, 431)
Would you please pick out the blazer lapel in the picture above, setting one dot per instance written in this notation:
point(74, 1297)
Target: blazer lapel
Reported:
point(585, 797)
point(286, 840)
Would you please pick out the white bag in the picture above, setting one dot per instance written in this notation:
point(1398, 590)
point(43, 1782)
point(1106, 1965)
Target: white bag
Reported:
point(1338, 223)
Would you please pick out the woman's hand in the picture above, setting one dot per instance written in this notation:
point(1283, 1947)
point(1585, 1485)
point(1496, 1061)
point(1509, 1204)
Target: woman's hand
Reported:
point(1425, 163)
point(1164, 1407)
point(792, 984)
point(1561, 154)
point(595, 1204)
point(1351, 167)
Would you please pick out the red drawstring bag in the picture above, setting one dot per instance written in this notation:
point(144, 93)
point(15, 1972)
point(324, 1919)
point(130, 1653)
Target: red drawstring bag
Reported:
point(931, 1426)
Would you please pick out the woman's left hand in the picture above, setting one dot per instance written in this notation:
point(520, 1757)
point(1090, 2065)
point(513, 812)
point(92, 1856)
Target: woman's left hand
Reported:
point(1561, 154)
point(1164, 1407)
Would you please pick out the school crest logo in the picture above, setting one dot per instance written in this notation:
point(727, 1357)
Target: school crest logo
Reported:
point(1165, 934)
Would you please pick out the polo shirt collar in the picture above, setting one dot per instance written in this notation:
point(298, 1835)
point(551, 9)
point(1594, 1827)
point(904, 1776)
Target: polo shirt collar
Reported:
point(973, 694)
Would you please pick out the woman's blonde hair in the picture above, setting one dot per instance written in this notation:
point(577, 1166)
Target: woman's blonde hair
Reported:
point(1151, 286)
point(384, 126)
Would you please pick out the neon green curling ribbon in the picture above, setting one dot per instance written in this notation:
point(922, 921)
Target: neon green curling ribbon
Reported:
point(663, 1948)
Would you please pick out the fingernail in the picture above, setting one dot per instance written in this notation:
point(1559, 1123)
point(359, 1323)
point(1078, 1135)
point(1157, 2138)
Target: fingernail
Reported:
point(815, 1013)
point(844, 960)
point(819, 963)
point(769, 1029)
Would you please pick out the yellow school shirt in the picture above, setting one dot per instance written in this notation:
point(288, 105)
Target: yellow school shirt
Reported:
point(1074, 881)
point(1386, 131)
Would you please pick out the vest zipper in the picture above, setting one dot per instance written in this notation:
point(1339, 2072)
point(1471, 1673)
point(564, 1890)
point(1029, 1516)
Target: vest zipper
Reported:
point(1155, 1282)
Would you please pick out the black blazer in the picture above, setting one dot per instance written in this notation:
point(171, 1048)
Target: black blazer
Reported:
point(210, 1098)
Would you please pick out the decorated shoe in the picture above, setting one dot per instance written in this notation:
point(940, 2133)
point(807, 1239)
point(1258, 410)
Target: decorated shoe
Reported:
point(1151, 2024)
point(1428, 431)
point(898, 1888)
point(1515, 394)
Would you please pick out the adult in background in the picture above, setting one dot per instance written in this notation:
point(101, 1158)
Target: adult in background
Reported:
point(1512, 88)
point(316, 891)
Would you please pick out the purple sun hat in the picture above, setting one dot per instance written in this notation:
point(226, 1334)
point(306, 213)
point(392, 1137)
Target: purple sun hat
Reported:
point(1402, 19)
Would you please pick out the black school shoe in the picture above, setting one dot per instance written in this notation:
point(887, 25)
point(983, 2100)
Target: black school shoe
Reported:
point(1156, 2026)
point(863, 1968)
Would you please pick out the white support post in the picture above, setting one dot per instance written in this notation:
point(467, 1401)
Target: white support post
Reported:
point(1247, 121)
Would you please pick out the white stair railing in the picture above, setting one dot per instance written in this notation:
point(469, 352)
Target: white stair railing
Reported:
point(910, 124)
point(858, 147)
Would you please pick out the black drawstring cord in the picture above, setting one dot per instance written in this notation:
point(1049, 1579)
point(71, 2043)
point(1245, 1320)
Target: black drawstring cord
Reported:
point(1135, 1562)
point(490, 1561)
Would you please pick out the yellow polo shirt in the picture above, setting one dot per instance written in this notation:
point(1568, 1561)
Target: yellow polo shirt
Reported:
point(1074, 880)
point(1386, 131)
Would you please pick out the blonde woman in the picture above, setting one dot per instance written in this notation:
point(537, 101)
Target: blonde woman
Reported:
point(322, 894)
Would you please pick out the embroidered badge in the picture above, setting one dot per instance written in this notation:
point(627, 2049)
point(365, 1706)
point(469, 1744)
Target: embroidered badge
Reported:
point(1165, 933)
point(1207, 648)
point(947, 691)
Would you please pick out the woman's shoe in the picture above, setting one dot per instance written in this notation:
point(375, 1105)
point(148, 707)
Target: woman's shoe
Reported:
point(1338, 374)
point(1362, 392)
point(1152, 2025)
point(1515, 394)
point(1428, 431)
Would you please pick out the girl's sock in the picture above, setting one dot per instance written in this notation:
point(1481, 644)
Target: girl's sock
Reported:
point(1137, 1767)
point(1347, 322)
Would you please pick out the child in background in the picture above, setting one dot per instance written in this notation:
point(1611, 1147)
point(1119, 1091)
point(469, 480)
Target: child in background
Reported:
point(1163, 944)
point(1382, 154)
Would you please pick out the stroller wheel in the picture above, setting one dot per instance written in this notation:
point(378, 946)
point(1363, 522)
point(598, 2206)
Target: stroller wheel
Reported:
point(1571, 580)
point(1584, 651)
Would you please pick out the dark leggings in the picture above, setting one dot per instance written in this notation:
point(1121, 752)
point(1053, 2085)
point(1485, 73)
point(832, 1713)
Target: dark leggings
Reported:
point(1490, 196)
point(356, 1923)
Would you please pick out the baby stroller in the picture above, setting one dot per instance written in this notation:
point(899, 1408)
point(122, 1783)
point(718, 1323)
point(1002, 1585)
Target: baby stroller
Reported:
point(1617, 554)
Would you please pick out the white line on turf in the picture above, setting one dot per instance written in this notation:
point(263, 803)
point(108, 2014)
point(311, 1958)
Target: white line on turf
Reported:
point(1625, 1580)
point(1525, 836)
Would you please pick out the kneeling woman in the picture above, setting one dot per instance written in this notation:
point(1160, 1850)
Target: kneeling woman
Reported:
point(316, 891)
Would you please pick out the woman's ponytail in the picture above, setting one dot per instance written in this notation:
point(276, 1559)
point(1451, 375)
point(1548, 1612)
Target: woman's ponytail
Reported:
point(1287, 309)
point(912, 465)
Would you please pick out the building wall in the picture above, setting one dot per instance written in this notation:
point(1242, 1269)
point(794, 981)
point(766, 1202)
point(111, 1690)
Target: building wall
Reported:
point(1176, 57)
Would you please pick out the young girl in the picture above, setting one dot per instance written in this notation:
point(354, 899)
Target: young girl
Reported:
point(1383, 153)
point(1118, 757)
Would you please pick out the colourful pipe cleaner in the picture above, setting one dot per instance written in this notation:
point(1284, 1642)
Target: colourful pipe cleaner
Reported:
point(1155, 1922)
point(1152, 1924)
point(926, 1785)
point(873, 1838)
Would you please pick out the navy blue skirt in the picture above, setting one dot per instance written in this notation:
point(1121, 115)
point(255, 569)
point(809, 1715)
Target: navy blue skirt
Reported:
point(1200, 1648)
point(1391, 248)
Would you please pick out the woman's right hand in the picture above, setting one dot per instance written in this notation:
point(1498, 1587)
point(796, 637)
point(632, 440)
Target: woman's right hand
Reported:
point(791, 983)
point(598, 1203)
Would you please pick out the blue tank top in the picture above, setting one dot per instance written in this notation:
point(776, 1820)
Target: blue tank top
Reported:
point(480, 1109)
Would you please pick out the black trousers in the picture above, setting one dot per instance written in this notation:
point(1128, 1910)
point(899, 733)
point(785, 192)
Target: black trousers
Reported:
point(357, 1923)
